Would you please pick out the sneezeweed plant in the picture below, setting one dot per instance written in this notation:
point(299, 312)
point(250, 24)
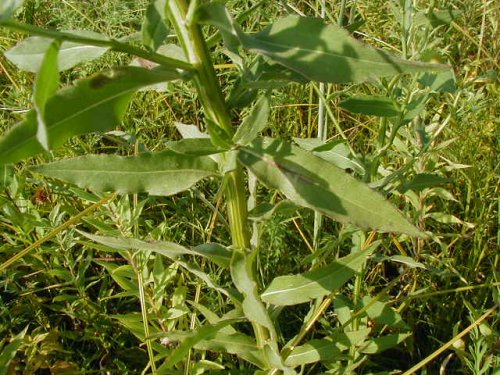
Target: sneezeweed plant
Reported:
point(306, 172)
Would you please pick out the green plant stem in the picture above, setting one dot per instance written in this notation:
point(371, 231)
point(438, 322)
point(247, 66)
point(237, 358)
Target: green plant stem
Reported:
point(145, 322)
point(113, 44)
point(212, 99)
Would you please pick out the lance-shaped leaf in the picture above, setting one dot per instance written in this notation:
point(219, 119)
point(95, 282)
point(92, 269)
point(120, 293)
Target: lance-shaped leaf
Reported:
point(312, 182)
point(172, 251)
point(379, 344)
point(162, 173)
point(236, 343)
point(154, 28)
point(326, 53)
point(188, 341)
point(294, 289)
point(326, 349)
point(212, 251)
point(8, 7)
point(241, 273)
point(91, 105)
point(46, 84)
point(371, 105)
point(28, 54)
point(254, 123)
point(217, 15)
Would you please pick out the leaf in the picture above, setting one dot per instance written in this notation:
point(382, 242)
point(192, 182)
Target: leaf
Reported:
point(8, 7)
point(154, 27)
point(9, 351)
point(294, 289)
point(382, 313)
point(423, 181)
point(242, 275)
point(163, 173)
point(314, 351)
point(94, 104)
point(310, 181)
point(254, 123)
point(218, 254)
point(326, 53)
point(218, 135)
point(46, 84)
point(440, 82)
point(335, 152)
point(445, 218)
point(190, 131)
point(202, 333)
point(168, 249)
point(217, 15)
point(436, 17)
point(123, 275)
point(28, 54)
point(266, 211)
point(234, 343)
point(262, 74)
point(379, 344)
point(194, 146)
point(327, 349)
point(371, 105)
point(133, 322)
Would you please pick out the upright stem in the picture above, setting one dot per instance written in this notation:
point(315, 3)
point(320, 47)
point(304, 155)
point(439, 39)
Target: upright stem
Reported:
point(210, 95)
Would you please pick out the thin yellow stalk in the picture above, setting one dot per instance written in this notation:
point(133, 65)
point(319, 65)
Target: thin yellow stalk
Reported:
point(75, 219)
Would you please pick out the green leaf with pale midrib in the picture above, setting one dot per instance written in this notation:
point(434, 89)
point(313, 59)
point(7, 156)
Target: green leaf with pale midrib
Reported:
point(371, 105)
point(310, 181)
point(326, 53)
point(294, 289)
point(28, 54)
point(94, 104)
point(163, 173)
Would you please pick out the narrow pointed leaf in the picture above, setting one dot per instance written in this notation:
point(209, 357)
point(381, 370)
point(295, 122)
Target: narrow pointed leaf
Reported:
point(218, 254)
point(310, 181)
point(28, 54)
point(203, 333)
point(169, 249)
point(241, 273)
point(46, 84)
point(194, 146)
point(236, 343)
point(9, 351)
point(154, 28)
point(8, 7)
point(326, 53)
point(313, 351)
point(94, 104)
point(379, 344)
point(163, 173)
point(294, 289)
point(217, 15)
point(382, 313)
point(336, 152)
point(371, 105)
point(254, 123)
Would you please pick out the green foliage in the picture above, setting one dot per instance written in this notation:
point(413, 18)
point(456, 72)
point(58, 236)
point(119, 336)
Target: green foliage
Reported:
point(160, 280)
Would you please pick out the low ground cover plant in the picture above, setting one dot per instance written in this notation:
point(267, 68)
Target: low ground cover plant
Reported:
point(176, 260)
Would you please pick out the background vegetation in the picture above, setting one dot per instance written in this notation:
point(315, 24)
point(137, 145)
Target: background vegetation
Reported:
point(64, 305)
